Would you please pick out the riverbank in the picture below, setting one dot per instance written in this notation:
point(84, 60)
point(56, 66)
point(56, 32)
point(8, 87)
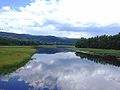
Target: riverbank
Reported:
point(91, 51)
point(13, 57)
point(100, 52)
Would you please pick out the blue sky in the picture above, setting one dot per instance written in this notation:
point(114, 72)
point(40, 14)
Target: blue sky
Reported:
point(14, 3)
point(63, 18)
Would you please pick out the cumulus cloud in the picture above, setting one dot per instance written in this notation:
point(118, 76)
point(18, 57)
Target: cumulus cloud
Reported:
point(6, 8)
point(71, 18)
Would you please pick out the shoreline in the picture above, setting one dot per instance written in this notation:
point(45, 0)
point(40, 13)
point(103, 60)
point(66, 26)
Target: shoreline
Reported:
point(104, 53)
point(13, 57)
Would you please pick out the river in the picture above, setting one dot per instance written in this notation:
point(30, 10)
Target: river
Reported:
point(62, 69)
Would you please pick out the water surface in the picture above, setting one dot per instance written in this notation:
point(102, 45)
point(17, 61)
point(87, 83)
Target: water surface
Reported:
point(59, 69)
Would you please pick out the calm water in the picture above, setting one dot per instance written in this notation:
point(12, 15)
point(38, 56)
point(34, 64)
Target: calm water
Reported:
point(60, 69)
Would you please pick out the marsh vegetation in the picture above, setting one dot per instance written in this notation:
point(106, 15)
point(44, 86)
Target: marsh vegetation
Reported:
point(12, 57)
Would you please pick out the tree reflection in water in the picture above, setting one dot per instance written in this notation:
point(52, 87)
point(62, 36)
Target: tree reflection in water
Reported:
point(99, 59)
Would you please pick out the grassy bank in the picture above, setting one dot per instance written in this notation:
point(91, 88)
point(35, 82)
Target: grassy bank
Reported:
point(101, 52)
point(13, 57)
point(91, 51)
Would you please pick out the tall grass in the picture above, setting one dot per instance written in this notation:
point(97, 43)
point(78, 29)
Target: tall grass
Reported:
point(12, 57)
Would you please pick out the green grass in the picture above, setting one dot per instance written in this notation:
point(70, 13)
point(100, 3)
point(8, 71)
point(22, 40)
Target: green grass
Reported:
point(101, 52)
point(12, 57)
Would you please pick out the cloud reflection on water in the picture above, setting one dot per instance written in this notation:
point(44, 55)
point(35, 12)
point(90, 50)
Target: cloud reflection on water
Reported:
point(66, 71)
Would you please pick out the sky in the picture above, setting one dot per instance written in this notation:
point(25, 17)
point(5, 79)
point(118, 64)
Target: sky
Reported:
point(62, 18)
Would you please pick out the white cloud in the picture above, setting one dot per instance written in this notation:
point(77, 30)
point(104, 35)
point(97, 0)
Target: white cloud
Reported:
point(103, 12)
point(77, 13)
point(6, 8)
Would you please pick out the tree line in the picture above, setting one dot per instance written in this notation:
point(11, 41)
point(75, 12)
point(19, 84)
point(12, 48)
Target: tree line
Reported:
point(10, 41)
point(102, 42)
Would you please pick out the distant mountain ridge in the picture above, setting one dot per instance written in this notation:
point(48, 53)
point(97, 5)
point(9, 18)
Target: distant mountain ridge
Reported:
point(39, 39)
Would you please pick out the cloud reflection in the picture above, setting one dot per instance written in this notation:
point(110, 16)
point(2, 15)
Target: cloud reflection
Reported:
point(66, 71)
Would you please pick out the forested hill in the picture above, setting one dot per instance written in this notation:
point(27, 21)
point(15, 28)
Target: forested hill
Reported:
point(31, 39)
point(103, 42)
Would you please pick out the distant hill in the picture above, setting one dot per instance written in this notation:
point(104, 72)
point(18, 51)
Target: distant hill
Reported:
point(38, 39)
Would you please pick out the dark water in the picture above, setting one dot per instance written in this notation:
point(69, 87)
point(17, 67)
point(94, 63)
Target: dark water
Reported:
point(60, 69)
